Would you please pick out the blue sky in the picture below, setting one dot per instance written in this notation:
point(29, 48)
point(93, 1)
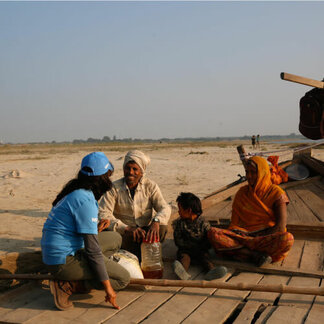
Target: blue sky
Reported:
point(71, 70)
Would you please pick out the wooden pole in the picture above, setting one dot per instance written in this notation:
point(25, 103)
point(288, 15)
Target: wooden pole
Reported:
point(302, 80)
point(243, 155)
point(194, 283)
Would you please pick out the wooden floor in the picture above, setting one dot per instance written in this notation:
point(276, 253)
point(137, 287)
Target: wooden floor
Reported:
point(33, 303)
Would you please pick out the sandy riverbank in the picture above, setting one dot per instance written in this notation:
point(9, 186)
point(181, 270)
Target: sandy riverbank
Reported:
point(31, 176)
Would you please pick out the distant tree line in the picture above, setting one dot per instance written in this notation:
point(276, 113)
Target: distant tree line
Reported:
point(107, 139)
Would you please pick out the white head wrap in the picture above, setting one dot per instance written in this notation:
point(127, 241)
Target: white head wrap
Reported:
point(139, 158)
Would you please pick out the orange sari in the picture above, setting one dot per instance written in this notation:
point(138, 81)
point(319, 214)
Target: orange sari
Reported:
point(253, 211)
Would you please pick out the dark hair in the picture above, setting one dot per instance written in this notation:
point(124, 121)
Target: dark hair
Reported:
point(97, 184)
point(188, 200)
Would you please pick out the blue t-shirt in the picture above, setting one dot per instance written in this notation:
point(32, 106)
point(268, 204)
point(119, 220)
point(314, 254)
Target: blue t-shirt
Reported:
point(75, 214)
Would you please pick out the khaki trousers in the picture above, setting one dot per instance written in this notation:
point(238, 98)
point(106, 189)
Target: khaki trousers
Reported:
point(77, 267)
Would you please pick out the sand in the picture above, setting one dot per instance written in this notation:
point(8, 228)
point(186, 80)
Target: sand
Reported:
point(31, 179)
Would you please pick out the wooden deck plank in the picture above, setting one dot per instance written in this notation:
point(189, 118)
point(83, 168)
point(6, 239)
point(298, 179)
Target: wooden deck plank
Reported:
point(143, 306)
point(268, 297)
point(181, 304)
point(300, 301)
point(17, 298)
point(248, 312)
point(32, 308)
point(312, 259)
point(218, 307)
point(81, 305)
point(153, 298)
point(287, 315)
point(316, 314)
point(320, 184)
point(313, 202)
point(267, 312)
point(315, 187)
point(295, 255)
point(302, 211)
point(292, 215)
point(101, 313)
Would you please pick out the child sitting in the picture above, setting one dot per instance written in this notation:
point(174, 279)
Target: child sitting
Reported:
point(190, 236)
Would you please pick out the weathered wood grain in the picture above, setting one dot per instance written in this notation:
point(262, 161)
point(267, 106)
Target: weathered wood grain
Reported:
point(224, 301)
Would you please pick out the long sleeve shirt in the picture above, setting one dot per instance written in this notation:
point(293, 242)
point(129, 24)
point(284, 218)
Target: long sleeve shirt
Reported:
point(95, 256)
point(122, 210)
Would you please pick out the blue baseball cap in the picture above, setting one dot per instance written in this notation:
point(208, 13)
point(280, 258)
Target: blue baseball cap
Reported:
point(97, 162)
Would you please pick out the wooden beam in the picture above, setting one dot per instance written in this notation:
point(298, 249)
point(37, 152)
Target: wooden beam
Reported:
point(302, 80)
point(314, 164)
point(307, 151)
point(269, 269)
point(214, 199)
point(241, 180)
point(298, 183)
point(313, 231)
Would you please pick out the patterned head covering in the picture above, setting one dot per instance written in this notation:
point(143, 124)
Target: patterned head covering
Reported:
point(139, 158)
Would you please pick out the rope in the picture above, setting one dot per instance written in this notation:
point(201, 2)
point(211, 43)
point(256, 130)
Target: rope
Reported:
point(267, 153)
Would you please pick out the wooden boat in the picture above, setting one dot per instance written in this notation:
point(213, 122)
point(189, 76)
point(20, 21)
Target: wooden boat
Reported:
point(33, 303)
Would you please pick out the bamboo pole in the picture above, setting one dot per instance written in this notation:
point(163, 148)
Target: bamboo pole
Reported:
point(224, 285)
point(194, 283)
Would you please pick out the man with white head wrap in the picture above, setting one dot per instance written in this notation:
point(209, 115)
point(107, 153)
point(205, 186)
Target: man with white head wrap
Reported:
point(135, 207)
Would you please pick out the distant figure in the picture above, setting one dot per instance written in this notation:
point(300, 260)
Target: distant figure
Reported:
point(258, 141)
point(253, 141)
point(190, 236)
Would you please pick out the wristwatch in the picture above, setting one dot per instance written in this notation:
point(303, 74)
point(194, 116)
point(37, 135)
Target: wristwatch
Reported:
point(155, 219)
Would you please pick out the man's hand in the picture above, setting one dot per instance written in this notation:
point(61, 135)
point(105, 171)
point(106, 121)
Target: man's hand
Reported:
point(153, 233)
point(137, 232)
point(103, 224)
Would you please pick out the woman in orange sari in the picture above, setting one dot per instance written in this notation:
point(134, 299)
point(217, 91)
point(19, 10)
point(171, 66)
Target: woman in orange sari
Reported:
point(257, 232)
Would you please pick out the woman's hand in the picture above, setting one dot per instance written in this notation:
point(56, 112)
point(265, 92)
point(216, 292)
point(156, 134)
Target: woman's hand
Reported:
point(110, 294)
point(103, 224)
point(153, 233)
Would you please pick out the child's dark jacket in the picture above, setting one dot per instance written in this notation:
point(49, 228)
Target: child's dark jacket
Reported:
point(191, 236)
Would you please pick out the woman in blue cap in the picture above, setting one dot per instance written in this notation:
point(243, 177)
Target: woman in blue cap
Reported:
point(70, 241)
